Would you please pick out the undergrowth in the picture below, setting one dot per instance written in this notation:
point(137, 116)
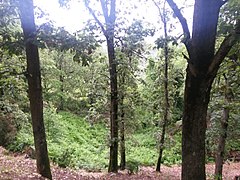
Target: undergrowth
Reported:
point(73, 142)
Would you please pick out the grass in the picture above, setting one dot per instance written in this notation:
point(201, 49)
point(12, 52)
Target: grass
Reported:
point(73, 142)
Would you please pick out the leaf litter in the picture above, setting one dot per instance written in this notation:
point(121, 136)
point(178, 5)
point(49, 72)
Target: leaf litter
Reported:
point(17, 167)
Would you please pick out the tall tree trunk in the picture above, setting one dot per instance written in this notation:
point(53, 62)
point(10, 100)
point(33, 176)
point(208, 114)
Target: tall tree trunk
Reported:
point(197, 88)
point(61, 79)
point(122, 126)
point(35, 88)
point(108, 29)
point(113, 161)
point(194, 127)
point(203, 64)
point(166, 97)
point(223, 134)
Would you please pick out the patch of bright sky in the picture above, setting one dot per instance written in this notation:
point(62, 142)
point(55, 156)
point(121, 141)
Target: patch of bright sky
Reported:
point(71, 18)
point(74, 17)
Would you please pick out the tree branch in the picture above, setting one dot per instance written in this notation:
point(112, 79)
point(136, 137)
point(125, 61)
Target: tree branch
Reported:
point(225, 47)
point(113, 11)
point(187, 39)
point(95, 17)
point(159, 9)
point(105, 10)
point(182, 20)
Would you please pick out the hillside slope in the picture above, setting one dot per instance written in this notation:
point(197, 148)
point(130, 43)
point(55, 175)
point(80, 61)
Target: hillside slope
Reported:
point(19, 167)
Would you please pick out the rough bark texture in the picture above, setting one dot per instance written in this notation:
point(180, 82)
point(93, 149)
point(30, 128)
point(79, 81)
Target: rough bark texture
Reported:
point(194, 128)
point(223, 135)
point(34, 87)
point(203, 64)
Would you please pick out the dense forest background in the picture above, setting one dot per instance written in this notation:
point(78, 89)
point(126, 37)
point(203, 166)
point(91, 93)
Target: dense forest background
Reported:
point(81, 91)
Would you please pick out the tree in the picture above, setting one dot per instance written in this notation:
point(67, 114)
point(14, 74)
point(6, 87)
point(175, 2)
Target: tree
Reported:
point(108, 30)
point(163, 15)
point(34, 87)
point(203, 65)
point(223, 131)
point(130, 51)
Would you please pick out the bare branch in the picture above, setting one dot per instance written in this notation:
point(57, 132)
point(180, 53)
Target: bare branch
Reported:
point(95, 17)
point(159, 9)
point(225, 47)
point(180, 17)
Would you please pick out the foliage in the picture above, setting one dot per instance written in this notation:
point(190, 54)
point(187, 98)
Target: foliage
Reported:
point(73, 142)
point(152, 91)
point(230, 70)
point(75, 78)
point(11, 119)
point(132, 167)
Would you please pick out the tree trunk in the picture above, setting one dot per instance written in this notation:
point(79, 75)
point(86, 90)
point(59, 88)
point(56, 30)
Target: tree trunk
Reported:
point(113, 161)
point(109, 13)
point(122, 126)
point(203, 64)
point(166, 100)
point(34, 86)
point(196, 100)
point(61, 79)
point(221, 145)
point(197, 88)
point(223, 135)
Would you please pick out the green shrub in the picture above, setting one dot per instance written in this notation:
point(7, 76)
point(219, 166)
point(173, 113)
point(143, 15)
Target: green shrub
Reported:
point(7, 130)
point(132, 167)
point(11, 120)
point(74, 142)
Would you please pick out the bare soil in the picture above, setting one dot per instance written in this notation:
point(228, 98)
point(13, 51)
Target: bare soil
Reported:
point(18, 167)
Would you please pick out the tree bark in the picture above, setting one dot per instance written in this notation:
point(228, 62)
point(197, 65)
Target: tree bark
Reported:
point(194, 127)
point(223, 135)
point(35, 88)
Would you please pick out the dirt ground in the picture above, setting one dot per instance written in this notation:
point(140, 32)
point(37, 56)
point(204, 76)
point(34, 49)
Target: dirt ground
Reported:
point(18, 167)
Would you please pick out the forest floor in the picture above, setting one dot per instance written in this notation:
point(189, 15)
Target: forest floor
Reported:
point(17, 167)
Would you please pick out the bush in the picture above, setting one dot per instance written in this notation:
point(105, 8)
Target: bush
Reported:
point(132, 166)
point(7, 130)
point(11, 120)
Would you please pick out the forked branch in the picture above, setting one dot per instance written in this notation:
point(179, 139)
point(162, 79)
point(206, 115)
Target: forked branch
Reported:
point(224, 49)
point(180, 17)
point(94, 16)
